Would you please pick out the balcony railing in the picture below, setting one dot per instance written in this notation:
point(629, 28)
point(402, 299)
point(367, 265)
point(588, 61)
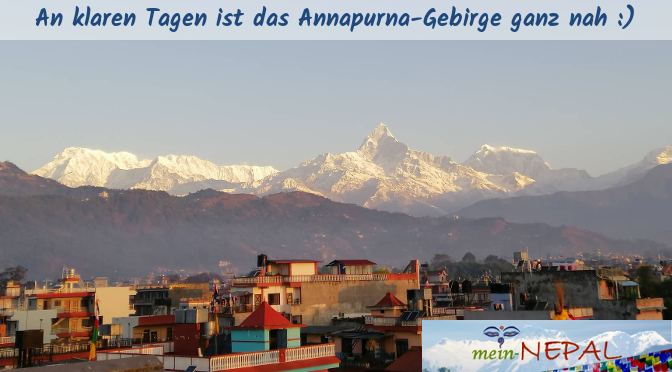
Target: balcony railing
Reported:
point(322, 278)
point(380, 321)
point(392, 322)
point(244, 360)
point(6, 340)
point(309, 352)
point(63, 289)
point(71, 309)
point(243, 308)
point(224, 362)
point(59, 330)
point(143, 350)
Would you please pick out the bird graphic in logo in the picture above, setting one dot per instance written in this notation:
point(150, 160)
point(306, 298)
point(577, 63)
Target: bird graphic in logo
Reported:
point(505, 332)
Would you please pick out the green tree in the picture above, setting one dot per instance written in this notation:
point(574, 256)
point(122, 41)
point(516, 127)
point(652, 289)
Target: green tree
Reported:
point(491, 258)
point(469, 257)
point(382, 270)
point(203, 278)
point(174, 278)
point(15, 273)
point(647, 287)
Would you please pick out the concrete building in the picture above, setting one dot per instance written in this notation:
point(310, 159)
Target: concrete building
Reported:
point(391, 329)
point(584, 289)
point(163, 299)
point(295, 289)
point(147, 329)
point(65, 313)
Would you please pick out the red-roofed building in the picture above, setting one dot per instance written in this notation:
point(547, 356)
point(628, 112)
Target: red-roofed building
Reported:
point(264, 317)
point(265, 342)
point(388, 306)
point(265, 329)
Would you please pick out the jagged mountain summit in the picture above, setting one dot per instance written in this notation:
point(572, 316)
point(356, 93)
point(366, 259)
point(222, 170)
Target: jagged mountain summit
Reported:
point(77, 166)
point(386, 174)
point(383, 174)
point(530, 174)
point(502, 160)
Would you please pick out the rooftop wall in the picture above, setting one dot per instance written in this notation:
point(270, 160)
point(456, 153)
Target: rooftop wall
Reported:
point(321, 301)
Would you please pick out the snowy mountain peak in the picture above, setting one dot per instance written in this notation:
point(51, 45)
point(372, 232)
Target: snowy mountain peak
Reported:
point(122, 159)
point(77, 166)
point(381, 147)
point(379, 132)
point(502, 160)
point(660, 156)
point(497, 149)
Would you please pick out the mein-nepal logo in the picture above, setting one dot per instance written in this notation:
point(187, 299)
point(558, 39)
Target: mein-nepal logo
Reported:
point(535, 349)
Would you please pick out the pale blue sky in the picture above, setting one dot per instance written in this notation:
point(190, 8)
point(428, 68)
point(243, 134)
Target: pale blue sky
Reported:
point(580, 330)
point(591, 105)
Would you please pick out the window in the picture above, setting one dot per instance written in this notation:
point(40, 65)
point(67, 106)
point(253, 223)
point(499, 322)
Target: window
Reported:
point(402, 347)
point(57, 303)
point(274, 298)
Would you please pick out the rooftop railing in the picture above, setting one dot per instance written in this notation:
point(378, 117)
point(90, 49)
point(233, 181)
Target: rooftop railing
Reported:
point(322, 278)
point(309, 352)
point(60, 290)
point(7, 340)
point(394, 322)
point(225, 362)
point(244, 360)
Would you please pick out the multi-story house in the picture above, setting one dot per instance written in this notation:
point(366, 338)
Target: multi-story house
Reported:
point(66, 313)
point(295, 289)
point(163, 299)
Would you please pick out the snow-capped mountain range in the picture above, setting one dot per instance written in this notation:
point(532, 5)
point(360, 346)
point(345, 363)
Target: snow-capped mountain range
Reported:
point(383, 173)
point(77, 166)
point(458, 357)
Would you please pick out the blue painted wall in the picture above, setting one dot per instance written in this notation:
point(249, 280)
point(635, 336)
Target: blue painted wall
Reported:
point(293, 333)
point(245, 341)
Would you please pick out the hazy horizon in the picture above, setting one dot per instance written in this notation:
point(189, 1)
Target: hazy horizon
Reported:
point(593, 106)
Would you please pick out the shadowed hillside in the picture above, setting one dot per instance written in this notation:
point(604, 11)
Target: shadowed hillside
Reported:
point(133, 232)
point(642, 209)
